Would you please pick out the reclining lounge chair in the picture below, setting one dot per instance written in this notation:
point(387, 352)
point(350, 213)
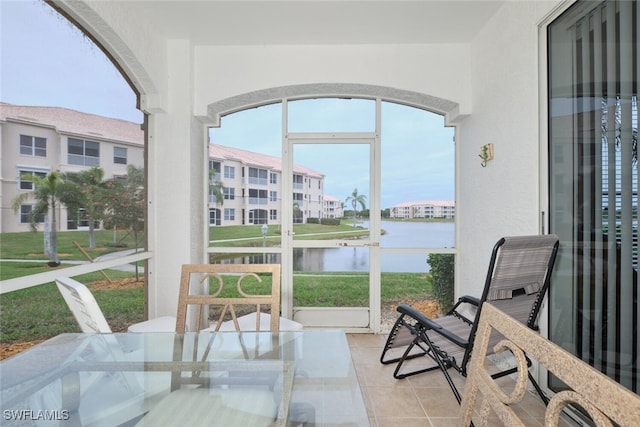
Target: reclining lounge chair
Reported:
point(517, 280)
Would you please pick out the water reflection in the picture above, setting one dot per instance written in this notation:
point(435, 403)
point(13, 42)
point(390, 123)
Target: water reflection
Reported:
point(398, 235)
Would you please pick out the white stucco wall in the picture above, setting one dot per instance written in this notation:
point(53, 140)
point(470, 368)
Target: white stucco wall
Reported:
point(502, 198)
point(438, 70)
point(177, 185)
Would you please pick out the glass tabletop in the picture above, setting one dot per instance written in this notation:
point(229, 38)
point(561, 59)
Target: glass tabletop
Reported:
point(223, 378)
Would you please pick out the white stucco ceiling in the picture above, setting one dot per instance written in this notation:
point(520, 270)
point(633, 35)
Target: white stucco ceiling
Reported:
point(244, 22)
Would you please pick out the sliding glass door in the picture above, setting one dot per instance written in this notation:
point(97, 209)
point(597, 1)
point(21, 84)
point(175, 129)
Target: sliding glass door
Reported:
point(593, 155)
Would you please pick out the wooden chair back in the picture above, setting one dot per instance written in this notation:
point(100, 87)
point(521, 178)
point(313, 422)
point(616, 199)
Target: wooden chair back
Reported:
point(204, 285)
point(605, 401)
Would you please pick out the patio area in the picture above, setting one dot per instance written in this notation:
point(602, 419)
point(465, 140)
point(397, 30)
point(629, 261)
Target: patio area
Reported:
point(424, 400)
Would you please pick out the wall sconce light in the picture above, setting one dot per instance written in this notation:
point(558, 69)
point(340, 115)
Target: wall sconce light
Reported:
point(486, 154)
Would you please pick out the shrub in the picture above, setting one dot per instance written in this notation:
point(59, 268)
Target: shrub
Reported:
point(330, 221)
point(442, 277)
point(313, 220)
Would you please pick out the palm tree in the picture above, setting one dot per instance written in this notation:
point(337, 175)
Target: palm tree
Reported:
point(356, 199)
point(297, 214)
point(85, 190)
point(47, 192)
point(216, 188)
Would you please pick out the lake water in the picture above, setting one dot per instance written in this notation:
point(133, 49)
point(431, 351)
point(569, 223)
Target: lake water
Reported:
point(398, 235)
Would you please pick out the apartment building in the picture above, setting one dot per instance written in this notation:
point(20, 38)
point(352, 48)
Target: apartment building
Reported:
point(38, 140)
point(252, 189)
point(424, 209)
point(333, 207)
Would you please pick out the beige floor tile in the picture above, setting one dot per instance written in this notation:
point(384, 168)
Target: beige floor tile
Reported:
point(404, 422)
point(442, 422)
point(423, 400)
point(398, 403)
point(437, 379)
point(438, 402)
point(366, 340)
point(369, 356)
point(383, 377)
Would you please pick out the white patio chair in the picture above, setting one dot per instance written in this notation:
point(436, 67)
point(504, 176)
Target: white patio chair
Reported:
point(124, 389)
point(89, 316)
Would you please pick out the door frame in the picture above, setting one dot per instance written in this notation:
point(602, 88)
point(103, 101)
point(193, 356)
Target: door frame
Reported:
point(333, 316)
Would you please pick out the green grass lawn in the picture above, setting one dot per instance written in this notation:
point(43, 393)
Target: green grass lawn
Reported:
point(40, 312)
point(251, 235)
point(29, 245)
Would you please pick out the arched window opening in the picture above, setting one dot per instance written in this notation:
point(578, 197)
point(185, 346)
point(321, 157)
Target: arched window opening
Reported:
point(86, 189)
point(343, 156)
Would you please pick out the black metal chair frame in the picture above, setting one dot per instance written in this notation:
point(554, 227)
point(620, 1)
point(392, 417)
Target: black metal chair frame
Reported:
point(413, 329)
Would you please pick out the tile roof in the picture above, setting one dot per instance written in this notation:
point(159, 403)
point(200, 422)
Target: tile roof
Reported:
point(74, 122)
point(252, 158)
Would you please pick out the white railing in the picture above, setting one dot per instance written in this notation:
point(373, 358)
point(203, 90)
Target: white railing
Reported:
point(32, 280)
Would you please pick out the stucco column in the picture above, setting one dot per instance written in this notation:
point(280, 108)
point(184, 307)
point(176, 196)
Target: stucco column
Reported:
point(177, 179)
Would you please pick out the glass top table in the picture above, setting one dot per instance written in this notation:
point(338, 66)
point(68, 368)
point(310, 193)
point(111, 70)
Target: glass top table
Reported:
point(151, 379)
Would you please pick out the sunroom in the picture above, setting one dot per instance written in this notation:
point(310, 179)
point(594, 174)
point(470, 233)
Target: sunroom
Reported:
point(551, 85)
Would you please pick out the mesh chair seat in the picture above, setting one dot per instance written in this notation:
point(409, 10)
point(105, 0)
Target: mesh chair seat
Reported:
point(517, 280)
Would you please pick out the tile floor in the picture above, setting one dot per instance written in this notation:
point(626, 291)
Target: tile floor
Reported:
point(423, 400)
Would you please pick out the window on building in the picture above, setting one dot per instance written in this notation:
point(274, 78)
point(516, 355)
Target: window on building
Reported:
point(257, 197)
point(81, 221)
point(214, 217)
point(120, 155)
point(229, 172)
point(25, 215)
point(258, 216)
point(229, 214)
point(273, 196)
point(214, 170)
point(83, 152)
point(258, 176)
point(33, 146)
point(298, 197)
point(26, 178)
point(297, 182)
point(273, 178)
point(229, 193)
point(273, 215)
point(215, 194)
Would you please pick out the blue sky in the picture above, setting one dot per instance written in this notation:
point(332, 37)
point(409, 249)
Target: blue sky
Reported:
point(417, 150)
point(44, 60)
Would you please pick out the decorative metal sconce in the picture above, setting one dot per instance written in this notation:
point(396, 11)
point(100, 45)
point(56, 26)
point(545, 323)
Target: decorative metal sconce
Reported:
point(486, 154)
